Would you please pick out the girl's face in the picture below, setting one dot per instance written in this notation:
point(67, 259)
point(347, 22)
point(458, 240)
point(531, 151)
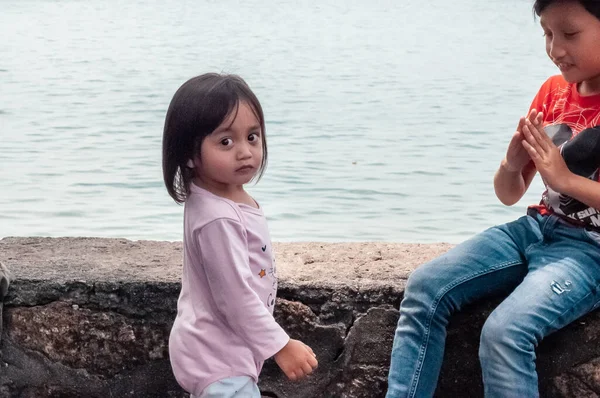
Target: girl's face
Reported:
point(232, 154)
point(573, 43)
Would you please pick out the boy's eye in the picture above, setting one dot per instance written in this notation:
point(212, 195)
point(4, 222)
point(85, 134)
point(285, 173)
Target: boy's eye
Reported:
point(570, 34)
point(226, 141)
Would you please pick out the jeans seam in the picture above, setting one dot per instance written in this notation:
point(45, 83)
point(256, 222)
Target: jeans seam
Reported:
point(533, 245)
point(549, 226)
point(423, 350)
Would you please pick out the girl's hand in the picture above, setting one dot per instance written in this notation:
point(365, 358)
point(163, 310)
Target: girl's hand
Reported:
point(546, 156)
point(517, 156)
point(296, 360)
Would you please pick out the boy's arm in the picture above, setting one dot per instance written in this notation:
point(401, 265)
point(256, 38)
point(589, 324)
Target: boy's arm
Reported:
point(510, 185)
point(583, 189)
point(516, 170)
point(226, 265)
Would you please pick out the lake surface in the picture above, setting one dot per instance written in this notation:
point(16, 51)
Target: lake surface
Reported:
point(386, 120)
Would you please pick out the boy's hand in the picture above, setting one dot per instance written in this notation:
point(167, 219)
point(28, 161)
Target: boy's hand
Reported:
point(546, 156)
point(296, 360)
point(517, 156)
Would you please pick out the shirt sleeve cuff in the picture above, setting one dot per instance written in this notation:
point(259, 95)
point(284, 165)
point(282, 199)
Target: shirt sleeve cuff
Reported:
point(275, 345)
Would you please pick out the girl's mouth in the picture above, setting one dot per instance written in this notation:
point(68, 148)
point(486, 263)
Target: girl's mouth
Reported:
point(245, 168)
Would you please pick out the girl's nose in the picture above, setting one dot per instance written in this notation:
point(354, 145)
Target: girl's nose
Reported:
point(244, 152)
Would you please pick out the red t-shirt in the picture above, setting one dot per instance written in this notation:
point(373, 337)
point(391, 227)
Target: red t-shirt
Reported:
point(573, 123)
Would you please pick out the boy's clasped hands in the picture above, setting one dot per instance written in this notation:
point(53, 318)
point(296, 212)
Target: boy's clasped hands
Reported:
point(531, 143)
point(544, 153)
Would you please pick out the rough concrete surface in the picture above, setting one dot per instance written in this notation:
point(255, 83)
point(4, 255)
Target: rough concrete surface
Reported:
point(91, 317)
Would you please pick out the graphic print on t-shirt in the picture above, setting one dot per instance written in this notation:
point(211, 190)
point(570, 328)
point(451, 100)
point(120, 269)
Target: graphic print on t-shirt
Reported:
point(573, 123)
point(582, 156)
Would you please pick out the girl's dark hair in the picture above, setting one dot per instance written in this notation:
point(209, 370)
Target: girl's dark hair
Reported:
point(198, 107)
point(592, 6)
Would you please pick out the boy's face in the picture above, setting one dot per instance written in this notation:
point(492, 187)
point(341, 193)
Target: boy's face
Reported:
point(573, 43)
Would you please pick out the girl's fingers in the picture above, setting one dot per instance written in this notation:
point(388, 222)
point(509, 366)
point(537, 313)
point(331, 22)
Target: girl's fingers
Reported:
point(309, 349)
point(307, 369)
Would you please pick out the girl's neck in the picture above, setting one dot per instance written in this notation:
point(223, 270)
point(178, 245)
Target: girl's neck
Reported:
point(235, 193)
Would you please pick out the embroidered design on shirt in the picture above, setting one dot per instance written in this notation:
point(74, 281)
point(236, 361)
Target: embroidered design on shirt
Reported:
point(262, 273)
point(264, 248)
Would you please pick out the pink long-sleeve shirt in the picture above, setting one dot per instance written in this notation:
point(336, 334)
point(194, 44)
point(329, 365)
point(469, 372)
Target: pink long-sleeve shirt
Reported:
point(224, 325)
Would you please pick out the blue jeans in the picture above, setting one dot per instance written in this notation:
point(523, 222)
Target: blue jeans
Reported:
point(553, 270)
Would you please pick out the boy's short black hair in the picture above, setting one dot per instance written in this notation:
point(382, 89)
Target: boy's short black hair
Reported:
point(198, 107)
point(592, 6)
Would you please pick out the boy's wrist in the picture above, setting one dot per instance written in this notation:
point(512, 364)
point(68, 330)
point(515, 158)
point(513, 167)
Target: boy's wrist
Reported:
point(568, 184)
point(507, 167)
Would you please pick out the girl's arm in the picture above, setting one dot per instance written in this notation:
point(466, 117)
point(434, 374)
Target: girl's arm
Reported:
point(226, 265)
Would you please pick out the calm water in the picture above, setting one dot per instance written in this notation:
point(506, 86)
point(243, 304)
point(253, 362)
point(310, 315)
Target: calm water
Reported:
point(385, 119)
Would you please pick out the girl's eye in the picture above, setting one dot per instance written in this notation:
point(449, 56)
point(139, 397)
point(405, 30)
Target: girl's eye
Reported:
point(253, 137)
point(226, 142)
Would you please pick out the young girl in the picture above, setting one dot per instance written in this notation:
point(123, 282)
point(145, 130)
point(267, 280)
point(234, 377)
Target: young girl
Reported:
point(213, 143)
point(549, 259)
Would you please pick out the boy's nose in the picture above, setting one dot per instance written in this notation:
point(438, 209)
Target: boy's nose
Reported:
point(556, 50)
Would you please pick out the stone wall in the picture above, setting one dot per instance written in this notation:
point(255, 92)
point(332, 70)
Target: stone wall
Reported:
point(88, 317)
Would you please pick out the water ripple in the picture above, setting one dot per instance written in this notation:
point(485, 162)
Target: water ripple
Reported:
point(375, 130)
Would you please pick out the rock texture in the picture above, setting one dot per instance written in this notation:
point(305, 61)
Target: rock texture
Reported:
point(91, 317)
point(4, 282)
